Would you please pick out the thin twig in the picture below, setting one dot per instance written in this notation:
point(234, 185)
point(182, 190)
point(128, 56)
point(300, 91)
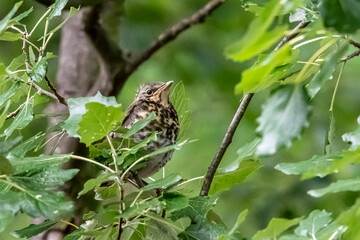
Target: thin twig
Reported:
point(355, 54)
point(236, 120)
point(16, 112)
point(174, 31)
point(60, 98)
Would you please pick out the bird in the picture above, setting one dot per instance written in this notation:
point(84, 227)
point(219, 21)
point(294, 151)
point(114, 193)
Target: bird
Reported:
point(153, 97)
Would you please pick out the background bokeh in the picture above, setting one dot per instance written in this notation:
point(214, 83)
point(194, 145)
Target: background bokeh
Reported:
point(197, 59)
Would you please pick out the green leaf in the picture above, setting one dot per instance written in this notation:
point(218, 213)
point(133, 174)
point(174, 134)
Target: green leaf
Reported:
point(42, 161)
point(4, 114)
point(5, 96)
point(5, 166)
point(275, 228)
point(339, 186)
point(225, 180)
point(77, 109)
point(32, 56)
point(353, 137)
point(140, 208)
point(257, 39)
point(21, 16)
point(197, 209)
point(342, 15)
point(320, 165)
point(326, 70)
point(57, 7)
point(6, 146)
point(163, 183)
point(139, 125)
point(174, 201)
point(284, 116)
point(39, 70)
point(96, 182)
point(77, 234)
point(23, 119)
point(98, 121)
point(33, 229)
point(32, 143)
point(4, 23)
point(10, 36)
point(9, 206)
point(317, 224)
point(45, 178)
point(16, 63)
point(182, 106)
point(159, 230)
point(264, 72)
point(245, 152)
point(350, 218)
point(240, 219)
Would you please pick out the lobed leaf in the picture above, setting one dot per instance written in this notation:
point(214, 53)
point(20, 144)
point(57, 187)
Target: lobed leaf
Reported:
point(57, 7)
point(39, 70)
point(284, 116)
point(42, 161)
point(163, 183)
point(98, 121)
point(4, 23)
point(77, 109)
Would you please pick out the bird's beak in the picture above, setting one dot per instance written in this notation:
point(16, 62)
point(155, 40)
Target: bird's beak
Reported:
point(163, 92)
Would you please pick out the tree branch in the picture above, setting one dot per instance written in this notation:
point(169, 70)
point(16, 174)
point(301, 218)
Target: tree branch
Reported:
point(15, 112)
point(236, 120)
point(171, 33)
point(60, 98)
point(355, 54)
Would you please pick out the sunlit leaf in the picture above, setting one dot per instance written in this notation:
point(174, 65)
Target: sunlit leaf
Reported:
point(258, 38)
point(320, 165)
point(275, 228)
point(264, 73)
point(339, 186)
point(231, 234)
point(96, 182)
point(33, 229)
point(326, 70)
point(77, 109)
point(174, 201)
point(98, 121)
point(5, 96)
point(284, 116)
point(350, 217)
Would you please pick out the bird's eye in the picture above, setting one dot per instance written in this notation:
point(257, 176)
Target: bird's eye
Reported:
point(149, 92)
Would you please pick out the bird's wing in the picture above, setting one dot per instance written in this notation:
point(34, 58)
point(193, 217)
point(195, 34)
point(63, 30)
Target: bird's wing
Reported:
point(129, 116)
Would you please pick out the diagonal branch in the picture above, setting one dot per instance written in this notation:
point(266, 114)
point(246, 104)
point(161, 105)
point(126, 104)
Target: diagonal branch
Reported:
point(236, 120)
point(171, 33)
point(60, 98)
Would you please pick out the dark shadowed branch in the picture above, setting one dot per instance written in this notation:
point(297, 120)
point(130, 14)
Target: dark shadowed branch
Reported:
point(174, 31)
point(354, 54)
point(236, 120)
point(60, 98)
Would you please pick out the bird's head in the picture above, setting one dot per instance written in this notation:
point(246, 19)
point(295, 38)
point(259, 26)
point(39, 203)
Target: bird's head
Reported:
point(156, 92)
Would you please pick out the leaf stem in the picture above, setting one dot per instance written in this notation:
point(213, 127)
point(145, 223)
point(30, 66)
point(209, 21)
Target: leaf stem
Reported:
point(92, 161)
point(113, 153)
point(38, 22)
point(69, 223)
point(336, 87)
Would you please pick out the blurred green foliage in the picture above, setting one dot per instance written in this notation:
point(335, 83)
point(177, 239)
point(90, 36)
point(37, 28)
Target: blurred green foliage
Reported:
point(197, 59)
